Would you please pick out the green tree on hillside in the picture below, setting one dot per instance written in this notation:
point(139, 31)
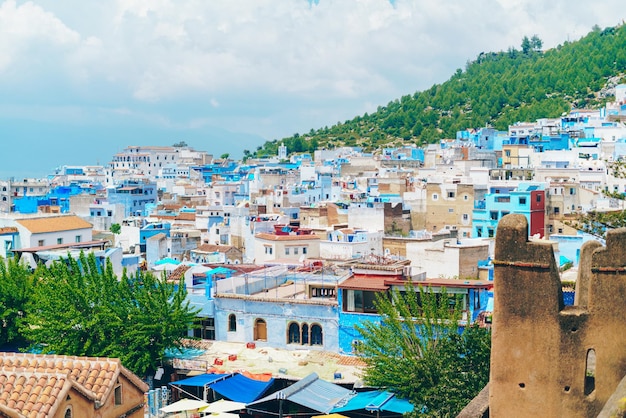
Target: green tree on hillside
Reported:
point(417, 351)
point(80, 308)
point(495, 89)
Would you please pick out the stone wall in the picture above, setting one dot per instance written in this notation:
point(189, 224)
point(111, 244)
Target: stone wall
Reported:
point(548, 359)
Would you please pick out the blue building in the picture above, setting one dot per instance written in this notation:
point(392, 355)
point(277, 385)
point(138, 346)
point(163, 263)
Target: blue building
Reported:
point(357, 294)
point(135, 195)
point(151, 230)
point(527, 199)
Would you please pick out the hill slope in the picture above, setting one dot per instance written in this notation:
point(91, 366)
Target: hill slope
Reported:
point(496, 89)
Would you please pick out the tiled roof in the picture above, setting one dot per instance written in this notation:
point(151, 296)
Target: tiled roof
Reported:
point(211, 248)
point(186, 216)
point(54, 224)
point(33, 385)
point(374, 283)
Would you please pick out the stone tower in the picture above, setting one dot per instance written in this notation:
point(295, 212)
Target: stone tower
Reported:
point(549, 360)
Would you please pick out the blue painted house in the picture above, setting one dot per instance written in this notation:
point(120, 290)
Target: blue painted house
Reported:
point(527, 199)
point(357, 294)
point(135, 195)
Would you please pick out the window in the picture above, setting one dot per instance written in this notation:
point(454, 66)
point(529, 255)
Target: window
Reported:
point(465, 197)
point(293, 333)
point(359, 301)
point(304, 250)
point(59, 240)
point(479, 232)
point(206, 329)
point(572, 191)
point(295, 250)
point(68, 413)
point(268, 249)
point(118, 395)
point(490, 232)
point(78, 238)
point(317, 337)
point(590, 372)
point(40, 243)
point(465, 217)
point(450, 210)
point(450, 195)
point(435, 196)
point(522, 200)
point(538, 198)
point(556, 210)
point(493, 215)
point(286, 250)
point(323, 292)
point(232, 323)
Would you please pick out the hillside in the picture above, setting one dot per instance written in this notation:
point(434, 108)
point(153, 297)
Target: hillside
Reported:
point(495, 89)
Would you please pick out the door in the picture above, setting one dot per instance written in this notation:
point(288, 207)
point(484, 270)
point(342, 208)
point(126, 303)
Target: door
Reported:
point(260, 330)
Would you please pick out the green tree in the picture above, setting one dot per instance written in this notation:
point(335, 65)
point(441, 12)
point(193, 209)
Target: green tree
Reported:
point(225, 156)
point(16, 288)
point(416, 350)
point(80, 308)
point(116, 229)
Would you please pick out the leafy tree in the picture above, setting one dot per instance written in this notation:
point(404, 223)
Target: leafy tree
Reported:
point(416, 350)
point(496, 89)
point(16, 287)
point(116, 229)
point(81, 308)
point(224, 156)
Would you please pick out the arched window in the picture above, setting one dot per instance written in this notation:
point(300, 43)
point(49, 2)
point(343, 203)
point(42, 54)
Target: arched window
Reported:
point(293, 334)
point(232, 323)
point(68, 413)
point(590, 372)
point(305, 334)
point(260, 330)
point(317, 337)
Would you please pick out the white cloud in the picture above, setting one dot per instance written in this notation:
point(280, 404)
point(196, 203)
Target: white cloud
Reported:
point(341, 57)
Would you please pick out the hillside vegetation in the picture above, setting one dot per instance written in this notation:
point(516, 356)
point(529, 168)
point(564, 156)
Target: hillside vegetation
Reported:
point(496, 89)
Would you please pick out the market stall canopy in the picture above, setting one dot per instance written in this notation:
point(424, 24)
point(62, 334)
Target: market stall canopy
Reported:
point(224, 405)
point(234, 386)
point(184, 405)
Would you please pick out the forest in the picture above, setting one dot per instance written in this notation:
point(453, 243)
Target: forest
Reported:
point(495, 89)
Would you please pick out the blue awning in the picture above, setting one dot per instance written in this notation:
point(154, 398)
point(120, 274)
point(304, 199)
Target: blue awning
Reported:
point(376, 401)
point(240, 388)
point(201, 380)
point(233, 386)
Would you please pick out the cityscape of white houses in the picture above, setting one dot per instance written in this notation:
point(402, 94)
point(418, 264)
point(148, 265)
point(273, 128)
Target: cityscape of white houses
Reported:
point(291, 251)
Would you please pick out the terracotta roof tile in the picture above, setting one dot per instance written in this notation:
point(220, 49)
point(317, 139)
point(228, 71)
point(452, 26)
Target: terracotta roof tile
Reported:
point(54, 224)
point(31, 385)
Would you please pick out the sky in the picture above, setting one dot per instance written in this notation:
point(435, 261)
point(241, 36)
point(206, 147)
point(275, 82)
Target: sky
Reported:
point(82, 80)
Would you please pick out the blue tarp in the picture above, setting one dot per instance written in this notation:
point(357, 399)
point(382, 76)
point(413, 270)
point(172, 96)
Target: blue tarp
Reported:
point(200, 380)
point(376, 401)
point(240, 388)
point(233, 386)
